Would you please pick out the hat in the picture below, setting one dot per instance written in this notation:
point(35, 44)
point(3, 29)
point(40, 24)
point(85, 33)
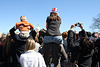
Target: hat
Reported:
point(55, 10)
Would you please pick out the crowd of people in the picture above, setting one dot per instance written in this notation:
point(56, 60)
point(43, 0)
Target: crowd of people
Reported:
point(49, 48)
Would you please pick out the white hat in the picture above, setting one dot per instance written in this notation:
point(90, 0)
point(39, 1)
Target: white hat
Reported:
point(55, 10)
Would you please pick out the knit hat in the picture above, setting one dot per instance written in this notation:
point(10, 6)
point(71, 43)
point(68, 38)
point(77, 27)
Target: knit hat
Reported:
point(55, 10)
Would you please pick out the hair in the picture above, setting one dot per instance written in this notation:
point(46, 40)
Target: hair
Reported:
point(42, 33)
point(36, 39)
point(3, 38)
point(23, 18)
point(8, 42)
point(54, 16)
point(82, 34)
point(30, 44)
point(93, 34)
point(89, 34)
point(65, 35)
point(86, 44)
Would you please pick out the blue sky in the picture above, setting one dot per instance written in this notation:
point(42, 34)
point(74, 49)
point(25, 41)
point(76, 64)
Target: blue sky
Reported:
point(36, 11)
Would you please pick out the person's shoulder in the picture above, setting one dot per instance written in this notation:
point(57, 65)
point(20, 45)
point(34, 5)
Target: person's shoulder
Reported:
point(98, 40)
point(23, 54)
point(48, 17)
point(39, 55)
point(37, 43)
point(23, 57)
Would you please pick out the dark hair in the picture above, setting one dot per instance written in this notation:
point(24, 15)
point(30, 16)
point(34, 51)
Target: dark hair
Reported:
point(7, 46)
point(93, 34)
point(42, 33)
point(89, 34)
point(82, 33)
point(86, 44)
point(54, 16)
point(3, 39)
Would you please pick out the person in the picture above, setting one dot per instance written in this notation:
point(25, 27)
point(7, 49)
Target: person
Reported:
point(31, 58)
point(18, 47)
point(97, 53)
point(94, 36)
point(65, 36)
point(42, 33)
point(73, 43)
point(2, 43)
point(52, 44)
point(86, 52)
point(95, 49)
point(37, 44)
point(25, 26)
point(6, 52)
point(6, 47)
point(53, 23)
point(89, 34)
point(2, 40)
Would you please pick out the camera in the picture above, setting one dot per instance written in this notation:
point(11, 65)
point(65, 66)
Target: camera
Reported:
point(77, 24)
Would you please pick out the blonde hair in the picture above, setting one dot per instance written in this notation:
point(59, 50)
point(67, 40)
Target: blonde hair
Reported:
point(23, 18)
point(30, 44)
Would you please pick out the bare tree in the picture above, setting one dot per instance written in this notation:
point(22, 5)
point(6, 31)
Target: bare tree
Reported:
point(96, 23)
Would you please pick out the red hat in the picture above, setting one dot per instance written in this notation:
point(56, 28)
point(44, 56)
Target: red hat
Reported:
point(55, 10)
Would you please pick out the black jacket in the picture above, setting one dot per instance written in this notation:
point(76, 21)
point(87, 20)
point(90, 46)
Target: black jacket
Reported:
point(73, 46)
point(84, 59)
point(18, 47)
point(97, 45)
